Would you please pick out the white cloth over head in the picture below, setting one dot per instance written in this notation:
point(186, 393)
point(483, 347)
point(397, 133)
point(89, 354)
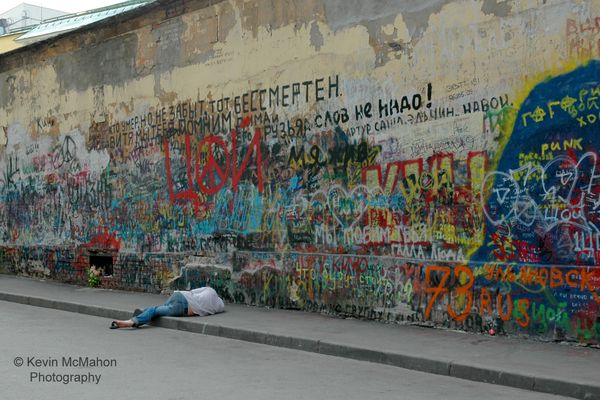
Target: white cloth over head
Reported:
point(203, 301)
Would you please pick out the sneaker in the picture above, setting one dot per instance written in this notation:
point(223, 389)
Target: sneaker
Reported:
point(137, 312)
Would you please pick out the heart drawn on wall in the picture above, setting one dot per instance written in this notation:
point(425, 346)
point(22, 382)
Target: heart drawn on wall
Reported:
point(348, 207)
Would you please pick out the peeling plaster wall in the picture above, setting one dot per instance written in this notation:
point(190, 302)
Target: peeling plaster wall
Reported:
point(425, 162)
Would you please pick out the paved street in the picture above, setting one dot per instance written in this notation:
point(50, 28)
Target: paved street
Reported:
point(157, 363)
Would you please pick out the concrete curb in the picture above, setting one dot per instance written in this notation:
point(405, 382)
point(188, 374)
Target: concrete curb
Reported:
point(438, 367)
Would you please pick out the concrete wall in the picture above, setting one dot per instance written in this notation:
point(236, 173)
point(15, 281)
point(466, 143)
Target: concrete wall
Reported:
point(431, 162)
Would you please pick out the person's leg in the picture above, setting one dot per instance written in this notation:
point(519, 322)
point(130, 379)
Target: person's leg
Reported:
point(146, 316)
point(175, 306)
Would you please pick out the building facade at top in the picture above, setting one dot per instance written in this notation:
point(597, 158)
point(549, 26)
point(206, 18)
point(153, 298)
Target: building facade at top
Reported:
point(428, 162)
point(25, 14)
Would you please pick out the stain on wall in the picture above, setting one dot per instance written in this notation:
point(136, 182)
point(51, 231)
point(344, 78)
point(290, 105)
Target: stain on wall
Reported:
point(432, 164)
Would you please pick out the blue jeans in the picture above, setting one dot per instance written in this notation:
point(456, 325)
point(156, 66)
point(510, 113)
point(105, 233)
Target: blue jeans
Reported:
point(175, 306)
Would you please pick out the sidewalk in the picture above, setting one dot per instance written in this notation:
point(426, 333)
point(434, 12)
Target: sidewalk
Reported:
point(526, 364)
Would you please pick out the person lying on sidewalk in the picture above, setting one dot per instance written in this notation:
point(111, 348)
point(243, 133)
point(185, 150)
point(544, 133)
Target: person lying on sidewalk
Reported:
point(202, 301)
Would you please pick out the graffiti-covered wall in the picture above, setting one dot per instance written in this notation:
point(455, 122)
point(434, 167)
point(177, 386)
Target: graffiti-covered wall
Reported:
point(433, 162)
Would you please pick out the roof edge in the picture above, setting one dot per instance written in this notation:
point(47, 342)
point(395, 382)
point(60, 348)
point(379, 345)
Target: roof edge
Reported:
point(18, 57)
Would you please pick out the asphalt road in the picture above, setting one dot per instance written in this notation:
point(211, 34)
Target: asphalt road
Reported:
point(155, 363)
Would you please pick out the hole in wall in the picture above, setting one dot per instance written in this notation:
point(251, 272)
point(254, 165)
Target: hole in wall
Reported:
point(102, 261)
